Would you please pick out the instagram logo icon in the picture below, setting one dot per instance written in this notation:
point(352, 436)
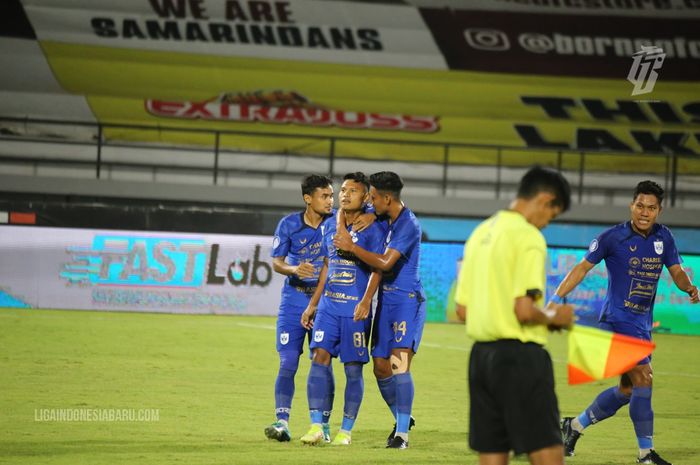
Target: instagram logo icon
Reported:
point(487, 39)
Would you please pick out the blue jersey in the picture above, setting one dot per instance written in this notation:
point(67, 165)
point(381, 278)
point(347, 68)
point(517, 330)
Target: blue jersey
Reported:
point(300, 243)
point(634, 265)
point(347, 275)
point(402, 282)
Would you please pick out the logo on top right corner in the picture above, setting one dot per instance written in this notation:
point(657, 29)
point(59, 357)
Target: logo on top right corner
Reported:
point(643, 72)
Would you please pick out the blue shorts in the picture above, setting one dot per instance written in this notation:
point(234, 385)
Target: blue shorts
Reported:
point(628, 329)
point(290, 332)
point(398, 326)
point(341, 336)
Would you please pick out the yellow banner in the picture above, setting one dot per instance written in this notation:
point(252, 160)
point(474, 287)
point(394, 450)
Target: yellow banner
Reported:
point(300, 99)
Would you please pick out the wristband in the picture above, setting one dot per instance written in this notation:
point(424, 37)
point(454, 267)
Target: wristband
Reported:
point(557, 300)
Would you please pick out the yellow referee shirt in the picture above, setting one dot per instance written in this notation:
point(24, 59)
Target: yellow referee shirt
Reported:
point(504, 258)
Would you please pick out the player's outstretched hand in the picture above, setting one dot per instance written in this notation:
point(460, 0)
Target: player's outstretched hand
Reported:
point(693, 293)
point(304, 270)
point(342, 239)
point(563, 316)
point(361, 311)
point(307, 318)
point(363, 221)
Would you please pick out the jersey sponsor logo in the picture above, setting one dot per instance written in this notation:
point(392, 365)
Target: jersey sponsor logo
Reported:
point(659, 247)
point(594, 245)
point(343, 276)
point(635, 262)
point(286, 107)
point(642, 288)
point(318, 336)
point(284, 338)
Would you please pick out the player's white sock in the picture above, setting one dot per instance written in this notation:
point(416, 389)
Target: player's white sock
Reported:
point(403, 436)
point(284, 422)
point(576, 425)
point(644, 452)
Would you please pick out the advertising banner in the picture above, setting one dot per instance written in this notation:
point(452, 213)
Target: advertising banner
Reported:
point(535, 76)
point(137, 271)
point(673, 312)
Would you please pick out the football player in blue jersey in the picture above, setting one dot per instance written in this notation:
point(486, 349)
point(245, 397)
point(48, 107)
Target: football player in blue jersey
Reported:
point(341, 326)
point(400, 315)
point(635, 253)
point(296, 254)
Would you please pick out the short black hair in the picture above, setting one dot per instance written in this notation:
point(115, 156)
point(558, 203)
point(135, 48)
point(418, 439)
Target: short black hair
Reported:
point(539, 179)
point(358, 176)
point(650, 188)
point(387, 181)
point(312, 182)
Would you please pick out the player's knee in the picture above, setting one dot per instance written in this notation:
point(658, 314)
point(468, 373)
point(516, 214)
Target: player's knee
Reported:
point(382, 368)
point(400, 362)
point(321, 356)
point(289, 361)
point(353, 370)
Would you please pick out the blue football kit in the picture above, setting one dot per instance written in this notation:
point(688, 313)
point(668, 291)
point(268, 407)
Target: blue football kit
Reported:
point(634, 264)
point(400, 317)
point(300, 243)
point(346, 283)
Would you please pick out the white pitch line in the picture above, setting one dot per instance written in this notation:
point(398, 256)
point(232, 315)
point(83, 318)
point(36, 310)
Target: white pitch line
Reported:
point(256, 326)
point(439, 346)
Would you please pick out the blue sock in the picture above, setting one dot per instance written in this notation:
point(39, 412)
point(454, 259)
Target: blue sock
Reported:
point(387, 387)
point(604, 406)
point(354, 390)
point(284, 385)
point(404, 401)
point(642, 416)
point(317, 390)
point(328, 404)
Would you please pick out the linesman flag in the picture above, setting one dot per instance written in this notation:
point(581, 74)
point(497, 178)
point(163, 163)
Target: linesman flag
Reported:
point(596, 354)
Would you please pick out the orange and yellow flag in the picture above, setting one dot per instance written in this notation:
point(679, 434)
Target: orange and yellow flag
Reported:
point(596, 354)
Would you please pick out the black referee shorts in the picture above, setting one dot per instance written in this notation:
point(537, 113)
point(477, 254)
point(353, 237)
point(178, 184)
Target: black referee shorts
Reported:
point(512, 401)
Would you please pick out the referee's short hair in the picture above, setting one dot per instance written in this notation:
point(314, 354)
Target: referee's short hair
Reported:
point(539, 179)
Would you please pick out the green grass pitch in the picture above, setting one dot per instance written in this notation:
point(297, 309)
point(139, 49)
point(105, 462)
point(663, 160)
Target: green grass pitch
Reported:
point(211, 377)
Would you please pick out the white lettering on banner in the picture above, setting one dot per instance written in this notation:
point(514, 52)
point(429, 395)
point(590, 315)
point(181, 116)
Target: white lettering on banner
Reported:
point(301, 30)
point(494, 40)
point(138, 271)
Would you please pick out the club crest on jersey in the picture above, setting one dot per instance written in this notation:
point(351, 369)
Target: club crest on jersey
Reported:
point(594, 245)
point(284, 338)
point(318, 336)
point(353, 236)
point(659, 247)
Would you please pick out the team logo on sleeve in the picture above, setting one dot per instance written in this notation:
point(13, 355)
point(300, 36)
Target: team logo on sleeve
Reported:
point(594, 246)
point(318, 336)
point(659, 247)
point(284, 338)
point(275, 242)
